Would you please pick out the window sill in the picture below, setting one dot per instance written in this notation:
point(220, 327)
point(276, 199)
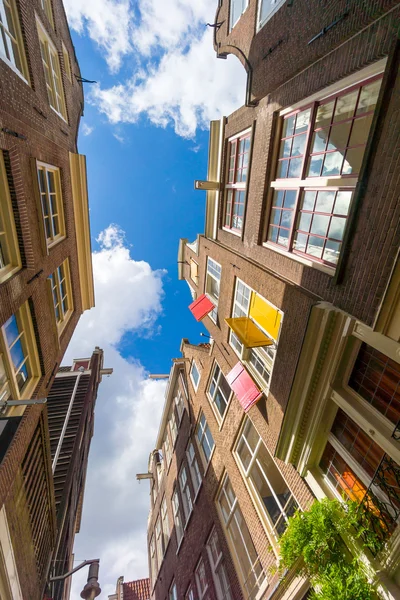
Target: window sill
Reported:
point(303, 261)
point(8, 272)
point(239, 235)
point(55, 241)
point(59, 114)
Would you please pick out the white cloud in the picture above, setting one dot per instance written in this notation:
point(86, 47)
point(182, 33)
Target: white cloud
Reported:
point(108, 23)
point(120, 138)
point(128, 410)
point(87, 129)
point(186, 90)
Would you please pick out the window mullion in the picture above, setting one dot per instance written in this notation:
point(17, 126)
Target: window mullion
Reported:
point(296, 210)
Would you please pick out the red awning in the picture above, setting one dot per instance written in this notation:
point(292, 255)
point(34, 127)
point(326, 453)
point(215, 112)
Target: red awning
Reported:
point(243, 386)
point(201, 307)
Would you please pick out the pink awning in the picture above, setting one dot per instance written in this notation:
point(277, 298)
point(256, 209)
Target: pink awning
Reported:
point(201, 307)
point(244, 387)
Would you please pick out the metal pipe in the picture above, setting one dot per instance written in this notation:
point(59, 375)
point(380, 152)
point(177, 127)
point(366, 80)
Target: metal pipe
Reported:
point(67, 416)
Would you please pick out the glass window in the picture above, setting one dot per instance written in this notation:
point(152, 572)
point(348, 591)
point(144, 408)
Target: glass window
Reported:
point(194, 468)
point(159, 541)
point(194, 375)
point(190, 594)
point(219, 392)
point(194, 271)
point(270, 490)
point(19, 361)
point(180, 405)
point(213, 280)
point(201, 580)
point(204, 437)
point(153, 559)
point(61, 293)
point(46, 6)
point(177, 517)
point(235, 188)
point(266, 9)
point(185, 493)
point(173, 427)
point(220, 576)
point(324, 140)
point(51, 203)
point(237, 8)
point(11, 44)
point(167, 449)
point(10, 260)
point(52, 73)
point(250, 569)
point(173, 594)
point(165, 522)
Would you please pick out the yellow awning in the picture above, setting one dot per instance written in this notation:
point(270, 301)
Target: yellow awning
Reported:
point(266, 315)
point(248, 332)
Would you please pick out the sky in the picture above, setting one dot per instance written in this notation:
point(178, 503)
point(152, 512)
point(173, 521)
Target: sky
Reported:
point(145, 136)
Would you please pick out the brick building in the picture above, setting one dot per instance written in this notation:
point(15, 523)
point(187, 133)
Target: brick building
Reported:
point(46, 279)
point(297, 280)
point(70, 410)
point(131, 590)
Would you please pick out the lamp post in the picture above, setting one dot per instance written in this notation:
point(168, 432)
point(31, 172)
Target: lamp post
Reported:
point(92, 588)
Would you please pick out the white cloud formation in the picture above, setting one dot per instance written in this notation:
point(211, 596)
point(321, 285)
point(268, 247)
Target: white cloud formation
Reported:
point(108, 23)
point(128, 409)
point(176, 79)
point(186, 89)
point(86, 129)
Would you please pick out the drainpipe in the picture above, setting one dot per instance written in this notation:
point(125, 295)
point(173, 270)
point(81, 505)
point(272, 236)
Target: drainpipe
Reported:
point(67, 416)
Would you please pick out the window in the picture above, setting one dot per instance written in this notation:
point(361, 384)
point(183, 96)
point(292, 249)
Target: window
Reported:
point(266, 484)
point(159, 541)
point(52, 73)
point(180, 405)
point(235, 188)
point(193, 467)
point(201, 580)
point(177, 518)
point(321, 152)
point(185, 493)
point(165, 523)
point(219, 392)
point(190, 594)
point(213, 280)
point(204, 437)
point(266, 8)
point(173, 594)
point(10, 260)
point(46, 6)
point(194, 375)
point(220, 576)
point(61, 293)
point(173, 427)
point(51, 203)
point(153, 560)
point(67, 64)
point(194, 271)
point(250, 570)
point(11, 43)
point(19, 361)
point(167, 449)
point(237, 8)
point(259, 359)
point(154, 493)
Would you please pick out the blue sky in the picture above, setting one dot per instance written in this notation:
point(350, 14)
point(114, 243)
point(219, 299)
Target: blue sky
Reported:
point(145, 136)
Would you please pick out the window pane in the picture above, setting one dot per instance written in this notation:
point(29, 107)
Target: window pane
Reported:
point(345, 106)
point(368, 97)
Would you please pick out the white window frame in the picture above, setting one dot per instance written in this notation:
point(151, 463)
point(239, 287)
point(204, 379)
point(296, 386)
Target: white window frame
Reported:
point(202, 591)
point(167, 448)
point(264, 356)
point(67, 62)
point(211, 276)
point(10, 260)
point(26, 335)
point(211, 397)
point(193, 468)
point(159, 541)
point(18, 40)
point(233, 507)
point(173, 427)
point(202, 427)
point(186, 494)
point(269, 526)
point(51, 65)
point(173, 594)
point(194, 271)
point(165, 522)
point(278, 4)
point(153, 559)
point(176, 510)
point(60, 276)
point(193, 367)
point(180, 405)
point(245, 4)
point(219, 573)
point(190, 593)
point(48, 199)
